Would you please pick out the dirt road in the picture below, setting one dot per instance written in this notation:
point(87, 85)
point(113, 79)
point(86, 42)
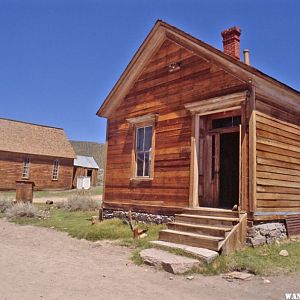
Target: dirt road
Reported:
point(38, 263)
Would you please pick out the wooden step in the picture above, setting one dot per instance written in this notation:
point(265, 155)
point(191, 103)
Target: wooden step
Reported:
point(190, 239)
point(207, 211)
point(200, 229)
point(211, 220)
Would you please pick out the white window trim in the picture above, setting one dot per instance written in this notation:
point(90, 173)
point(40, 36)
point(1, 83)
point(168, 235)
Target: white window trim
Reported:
point(26, 168)
point(55, 170)
point(138, 122)
point(150, 152)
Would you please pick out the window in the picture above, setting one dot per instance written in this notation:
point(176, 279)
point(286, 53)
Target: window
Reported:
point(55, 170)
point(226, 122)
point(142, 167)
point(25, 173)
point(143, 151)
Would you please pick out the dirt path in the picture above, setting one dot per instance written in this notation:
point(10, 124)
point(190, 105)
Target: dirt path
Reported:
point(39, 263)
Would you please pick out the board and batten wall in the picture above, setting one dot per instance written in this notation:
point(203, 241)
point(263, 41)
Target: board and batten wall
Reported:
point(158, 91)
point(278, 159)
point(40, 172)
point(80, 171)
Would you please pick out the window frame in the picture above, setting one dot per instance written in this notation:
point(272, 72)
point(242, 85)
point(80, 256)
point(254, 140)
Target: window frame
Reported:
point(150, 151)
point(55, 170)
point(26, 168)
point(148, 120)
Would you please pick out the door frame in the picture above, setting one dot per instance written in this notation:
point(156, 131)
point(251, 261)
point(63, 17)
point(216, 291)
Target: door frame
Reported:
point(200, 110)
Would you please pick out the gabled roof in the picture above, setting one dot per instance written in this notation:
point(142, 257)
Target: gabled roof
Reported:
point(161, 31)
point(27, 138)
point(85, 162)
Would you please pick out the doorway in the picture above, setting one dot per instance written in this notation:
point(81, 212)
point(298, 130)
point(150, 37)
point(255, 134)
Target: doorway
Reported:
point(229, 169)
point(219, 168)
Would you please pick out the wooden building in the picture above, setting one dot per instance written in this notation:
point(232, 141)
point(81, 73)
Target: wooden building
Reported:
point(190, 126)
point(36, 153)
point(85, 166)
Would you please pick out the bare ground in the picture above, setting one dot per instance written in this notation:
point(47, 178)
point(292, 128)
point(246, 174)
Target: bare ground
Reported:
point(40, 263)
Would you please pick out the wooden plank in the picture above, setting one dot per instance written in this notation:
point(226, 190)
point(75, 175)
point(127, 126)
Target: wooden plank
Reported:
point(276, 176)
point(276, 150)
point(275, 134)
point(279, 203)
point(277, 163)
point(252, 152)
point(266, 168)
point(279, 183)
point(274, 196)
point(277, 209)
point(277, 189)
point(287, 126)
point(280, 145)
point(277, 111)
point(279, 157)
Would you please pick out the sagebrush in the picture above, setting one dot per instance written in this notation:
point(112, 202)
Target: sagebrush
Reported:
point(22, 209)
point(79, 203)
point(5, 204)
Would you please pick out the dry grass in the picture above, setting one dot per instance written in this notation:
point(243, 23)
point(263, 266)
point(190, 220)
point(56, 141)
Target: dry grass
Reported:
point(79, 203)
point(5, 204)
point(21, 209)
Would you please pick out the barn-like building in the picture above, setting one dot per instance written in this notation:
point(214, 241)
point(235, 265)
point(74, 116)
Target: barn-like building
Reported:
point(36, 153)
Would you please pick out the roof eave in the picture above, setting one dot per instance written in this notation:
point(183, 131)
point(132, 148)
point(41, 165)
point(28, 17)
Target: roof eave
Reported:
point(163, 30)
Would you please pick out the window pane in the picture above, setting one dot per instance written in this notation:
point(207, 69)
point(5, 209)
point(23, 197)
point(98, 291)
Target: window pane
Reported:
point(147, 164)
point(140, 139)
point(237, 120)
point(140, 164)
point(148, 138)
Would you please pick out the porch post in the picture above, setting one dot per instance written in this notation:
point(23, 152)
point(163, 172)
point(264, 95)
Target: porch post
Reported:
point(194, 172)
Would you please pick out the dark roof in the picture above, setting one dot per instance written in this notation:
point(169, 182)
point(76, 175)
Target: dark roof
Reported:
point(28, 138)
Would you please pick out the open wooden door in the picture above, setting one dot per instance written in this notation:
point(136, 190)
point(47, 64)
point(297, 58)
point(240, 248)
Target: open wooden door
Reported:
point(219, 176)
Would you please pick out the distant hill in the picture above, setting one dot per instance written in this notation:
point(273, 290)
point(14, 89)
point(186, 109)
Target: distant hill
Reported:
point(95, 150)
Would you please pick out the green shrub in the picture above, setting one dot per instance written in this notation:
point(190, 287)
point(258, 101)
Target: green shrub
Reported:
point(5, 204)
point(79, 203)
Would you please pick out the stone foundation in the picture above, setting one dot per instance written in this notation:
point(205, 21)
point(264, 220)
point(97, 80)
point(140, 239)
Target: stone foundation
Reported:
point(265, 233)
point(137, 216)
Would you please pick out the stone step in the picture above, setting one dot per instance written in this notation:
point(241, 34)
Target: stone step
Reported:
point(209, 220)
point(200, 229)
point(190, 239)
point(208, 211)
point(169, 262)
point(204, 255)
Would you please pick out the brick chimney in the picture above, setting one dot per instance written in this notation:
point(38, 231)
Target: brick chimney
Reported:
point(231, 41)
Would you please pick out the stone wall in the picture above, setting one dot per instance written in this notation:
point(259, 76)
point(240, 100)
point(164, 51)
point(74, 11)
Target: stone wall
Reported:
point(136, 216)
point(265, 233)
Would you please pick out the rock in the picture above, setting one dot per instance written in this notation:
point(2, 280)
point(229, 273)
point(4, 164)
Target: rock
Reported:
point(238, 275)
point(49, 202)
point(171, 278)
point(190, 277)
point(267, 281)
point(283, 253)
point(258, 240)
point(202, 254)
point(52, 227)
point(167, 261)
point(251, 232)
point(96, 244)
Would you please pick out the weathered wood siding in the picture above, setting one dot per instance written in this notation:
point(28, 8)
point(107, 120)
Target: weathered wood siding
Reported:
point(80, 171)
point(40, 172)
point(159, 91)
point(278, 159)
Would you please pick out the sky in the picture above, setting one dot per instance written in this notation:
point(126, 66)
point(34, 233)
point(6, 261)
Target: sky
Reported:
point(60, 58)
